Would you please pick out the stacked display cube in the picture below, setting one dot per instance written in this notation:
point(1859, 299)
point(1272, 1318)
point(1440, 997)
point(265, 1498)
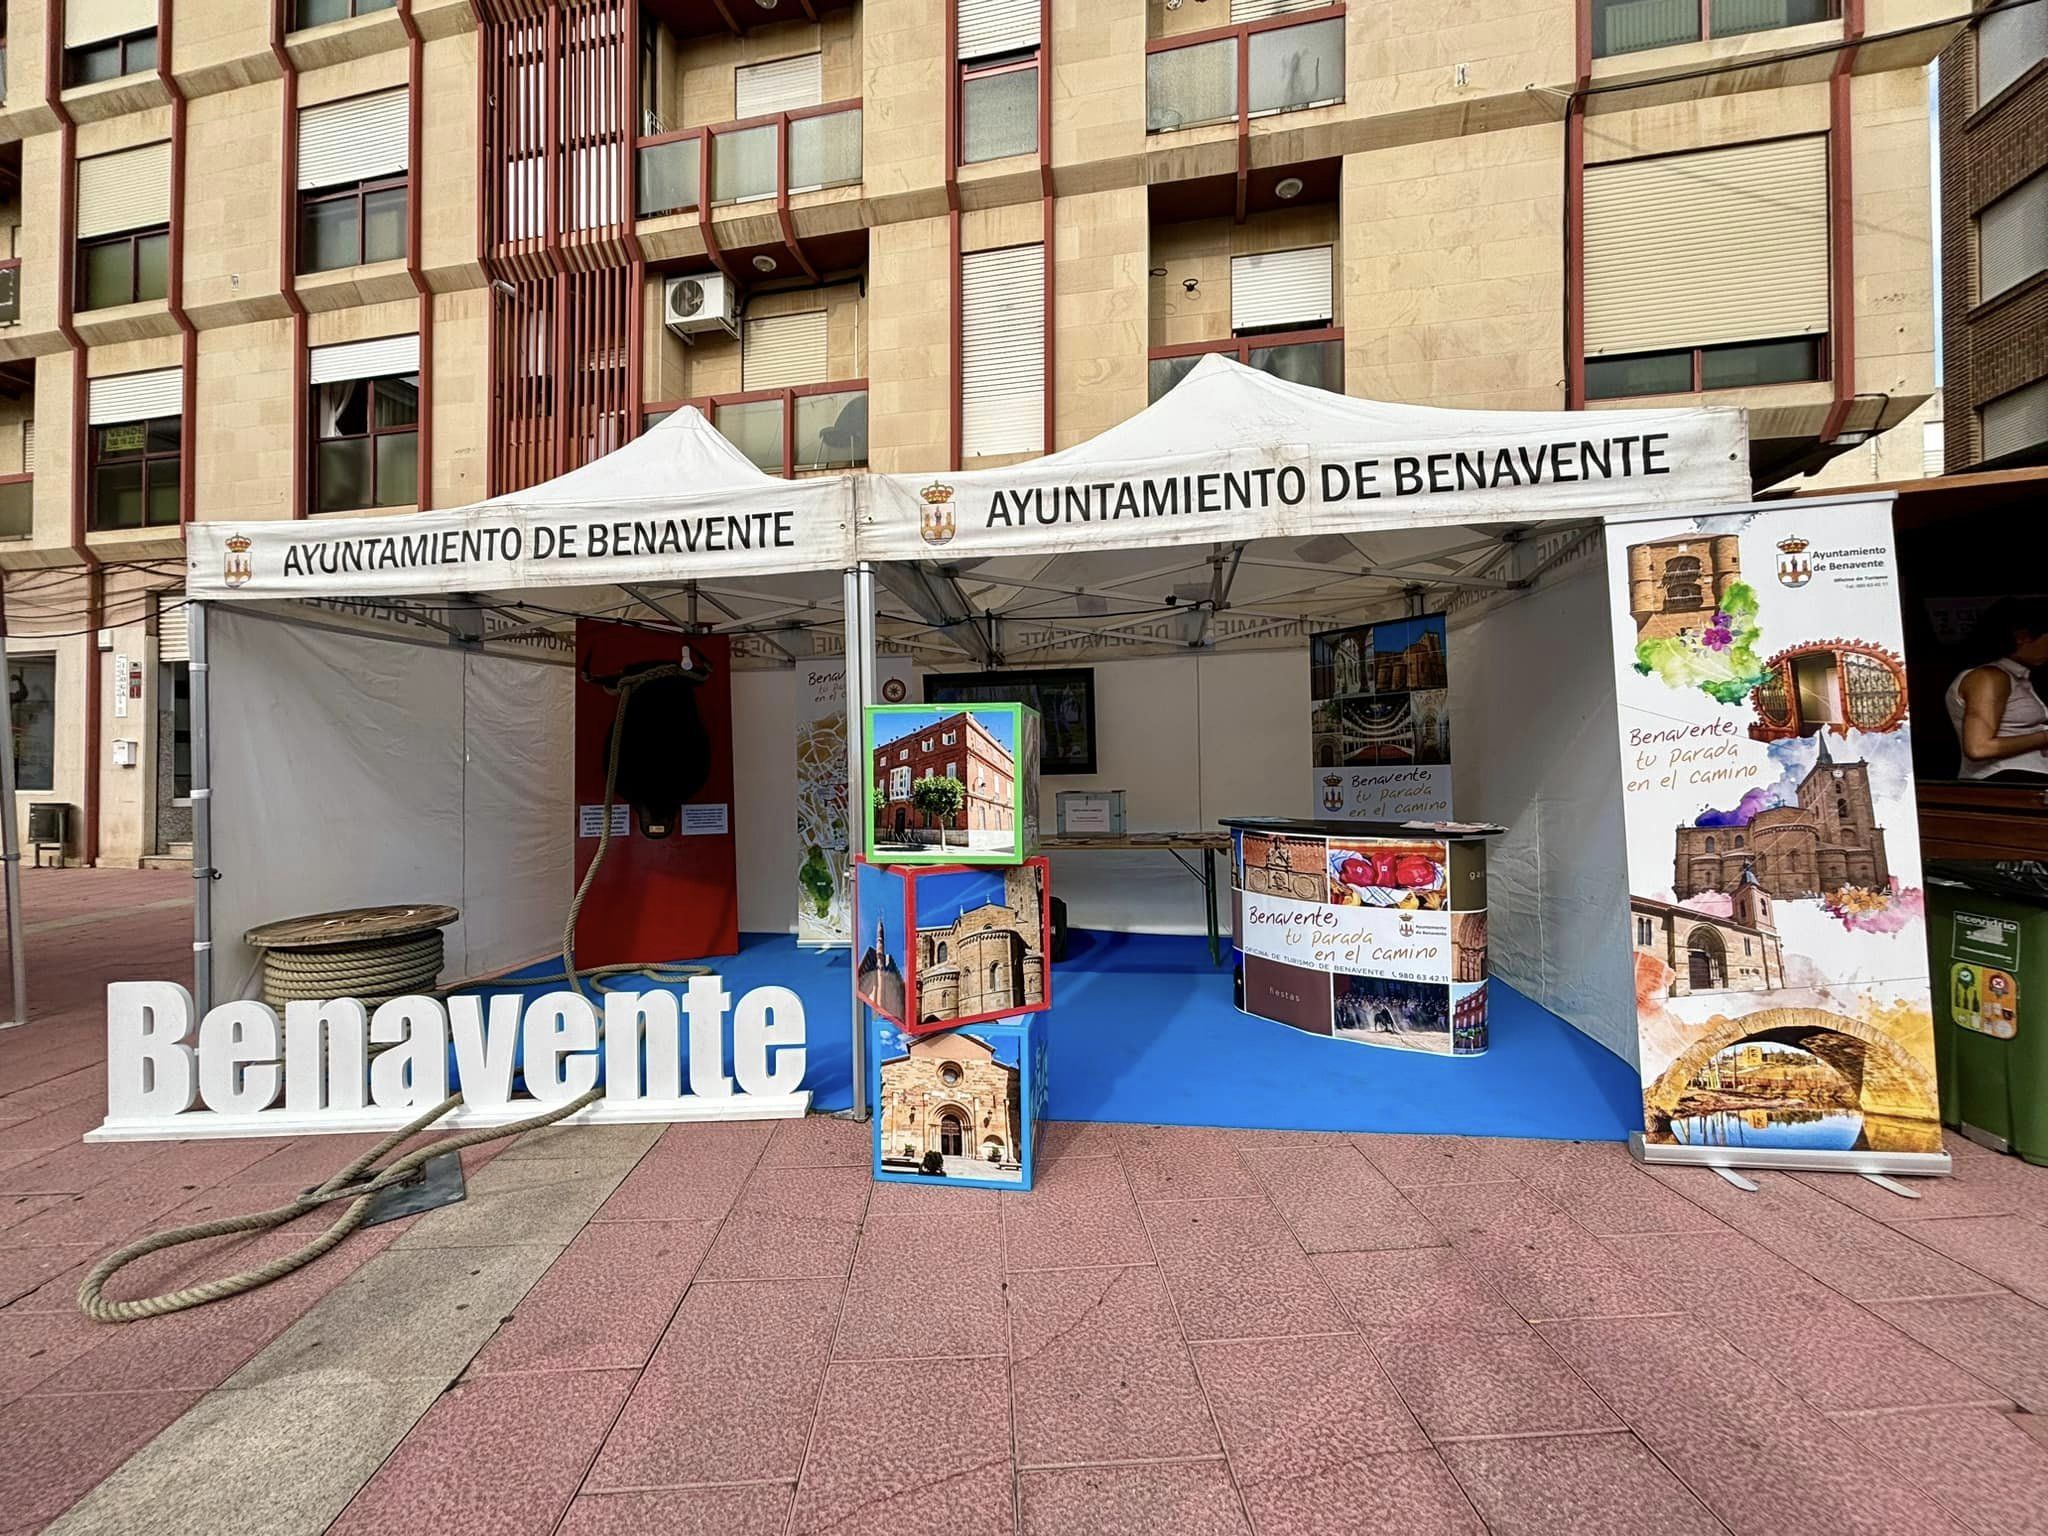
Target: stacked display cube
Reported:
point(953, 941)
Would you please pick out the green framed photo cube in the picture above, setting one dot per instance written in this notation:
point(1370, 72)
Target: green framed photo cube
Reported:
point(951, 783)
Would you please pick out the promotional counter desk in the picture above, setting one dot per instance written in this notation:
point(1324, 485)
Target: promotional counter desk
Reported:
point(1368, 931)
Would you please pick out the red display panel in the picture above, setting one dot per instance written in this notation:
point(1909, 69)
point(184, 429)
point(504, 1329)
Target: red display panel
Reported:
point(669, 888)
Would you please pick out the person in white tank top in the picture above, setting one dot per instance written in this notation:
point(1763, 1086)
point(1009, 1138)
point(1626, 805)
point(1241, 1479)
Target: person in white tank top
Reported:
point(2000, 719)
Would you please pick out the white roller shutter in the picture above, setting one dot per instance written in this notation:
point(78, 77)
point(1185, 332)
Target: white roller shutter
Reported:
point(134, 397)
point(1259, 10)
point(990, 27)
point(781, 86)
point(171, 642)
point(783, 350)
point(2010, 42)
point(383, 358)
point(1290, 288)
point(353, 140)
point(130, 189)
point(1002, 351)
point(28, 446)
point(2012, 236)
point(2015, 421)
point(1720, 245)
point(94, 21)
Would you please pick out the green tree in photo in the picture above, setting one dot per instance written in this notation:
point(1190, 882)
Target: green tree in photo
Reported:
point(940, 799)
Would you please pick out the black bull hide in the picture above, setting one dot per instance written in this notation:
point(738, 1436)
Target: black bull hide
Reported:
point(664, 748)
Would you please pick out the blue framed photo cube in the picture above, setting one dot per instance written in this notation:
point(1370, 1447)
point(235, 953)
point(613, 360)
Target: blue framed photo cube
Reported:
point(959, 1108)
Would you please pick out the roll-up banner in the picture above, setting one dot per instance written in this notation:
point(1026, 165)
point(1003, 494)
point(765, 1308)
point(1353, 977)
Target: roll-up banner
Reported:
point(1775, 901)
point(824, 882)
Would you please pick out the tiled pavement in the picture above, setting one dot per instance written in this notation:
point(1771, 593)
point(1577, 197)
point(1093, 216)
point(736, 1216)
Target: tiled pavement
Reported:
point(731, 1330)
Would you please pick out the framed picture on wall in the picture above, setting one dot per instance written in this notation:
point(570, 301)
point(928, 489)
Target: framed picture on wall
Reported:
point(1064, 699)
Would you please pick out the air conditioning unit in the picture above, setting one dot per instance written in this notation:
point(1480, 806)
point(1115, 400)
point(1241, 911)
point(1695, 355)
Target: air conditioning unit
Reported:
point(705, 303)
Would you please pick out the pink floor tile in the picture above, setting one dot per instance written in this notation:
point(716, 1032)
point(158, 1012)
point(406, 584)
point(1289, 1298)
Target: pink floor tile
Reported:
point(1545, 1264)
point(906, 1446)
point(72, 1169)
point(2033, 1425)
point(754, 1509)
point(53, 1450)
point(1485, 1210)
point(25, 1271)
point(1075, 1138)
point(681, 1185)
point(1288, 1407)
point(1981, 1466)
point(307, 1161)
point(729, 1393)
point(110, 1214)
point(819, 1141)
point(1337, 1202)
point(925, 1286)
point(1413, 1160)
point(1236, 1272)
point(1187, 1498)
point(1079, 1212)
point(497, 1457)
point(16, 1209)
point(1460, 1383)
point(1168, 1162)
point(1418, 1288)
point(1967, 1193)
point(1099, 1371)
point(34, 1346)
point(604, 1304)
point(1704, 1408)
point(1575, 1485)
point(2002, 1340)
point(1602, 1188)
point(791, 1222)
point(1409, 1492)
point(2010, 1250)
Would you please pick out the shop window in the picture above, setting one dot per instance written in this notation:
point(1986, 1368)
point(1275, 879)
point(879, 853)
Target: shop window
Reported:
point(123, 269)
point(366, 443)
point(110, 58)
point(350, 226)
point(135, 474)
point(318, 13)
point(32, 705)
point(999, 107)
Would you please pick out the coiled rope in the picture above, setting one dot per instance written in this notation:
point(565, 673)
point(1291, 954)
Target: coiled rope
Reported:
point(373, 972)
point(350, 1184)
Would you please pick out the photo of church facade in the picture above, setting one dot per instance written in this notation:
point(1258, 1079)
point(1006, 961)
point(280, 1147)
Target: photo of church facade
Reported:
point(1737, 953)
point(948, 945)
point(1828, 840)
point(950, 1106)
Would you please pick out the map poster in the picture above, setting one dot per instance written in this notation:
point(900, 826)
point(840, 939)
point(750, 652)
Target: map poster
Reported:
point(1380, 721)
point(1776, 909)
point(824, 887)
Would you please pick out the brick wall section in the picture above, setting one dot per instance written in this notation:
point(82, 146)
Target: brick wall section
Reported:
point(2004, 345)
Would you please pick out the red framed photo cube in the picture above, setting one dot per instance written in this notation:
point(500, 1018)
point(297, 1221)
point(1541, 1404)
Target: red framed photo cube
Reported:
point(944, 945)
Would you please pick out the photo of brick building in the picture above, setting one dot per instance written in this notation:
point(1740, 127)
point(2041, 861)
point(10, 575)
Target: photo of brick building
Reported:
point(1676, 585)
point(960, 745)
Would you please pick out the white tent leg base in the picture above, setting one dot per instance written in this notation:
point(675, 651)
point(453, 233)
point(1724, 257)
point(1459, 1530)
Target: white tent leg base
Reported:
point(1789, 1159)
point(205, 1125)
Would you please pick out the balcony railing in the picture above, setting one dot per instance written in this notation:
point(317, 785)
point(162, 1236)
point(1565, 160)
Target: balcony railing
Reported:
point(810, 426)
point(17, 506)
point(10, 291)
point(1283, 64)
point(751, 160)
point(1628, 26)
point(1300, 357)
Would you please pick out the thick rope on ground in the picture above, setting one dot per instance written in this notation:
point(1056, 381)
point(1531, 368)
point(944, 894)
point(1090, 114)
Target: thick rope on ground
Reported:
point(92, 1298)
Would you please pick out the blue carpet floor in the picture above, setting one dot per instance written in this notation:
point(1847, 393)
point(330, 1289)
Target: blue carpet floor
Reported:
point(1144, 1030)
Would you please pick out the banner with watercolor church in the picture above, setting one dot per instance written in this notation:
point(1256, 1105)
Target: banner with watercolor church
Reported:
point(1775, 906)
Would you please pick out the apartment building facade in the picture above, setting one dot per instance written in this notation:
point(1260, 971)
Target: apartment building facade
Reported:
point(317, 257)
point(1994, 238)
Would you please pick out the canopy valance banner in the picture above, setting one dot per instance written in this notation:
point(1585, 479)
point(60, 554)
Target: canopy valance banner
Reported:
point(1232, 453)
point(678, 503)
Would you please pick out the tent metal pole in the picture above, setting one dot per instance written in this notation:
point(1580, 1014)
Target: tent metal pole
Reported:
point(859, 611)
point(202, 811)
point(10, 851)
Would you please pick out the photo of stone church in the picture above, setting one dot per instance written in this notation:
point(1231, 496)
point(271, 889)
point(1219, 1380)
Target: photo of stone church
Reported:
point(1676, 585)
point(1737, 953)
point(1828, 840)
point(951, 1107)
point(989, 956)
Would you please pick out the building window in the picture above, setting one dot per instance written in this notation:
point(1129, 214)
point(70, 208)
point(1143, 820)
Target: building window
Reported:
point(32, 704)
point(317, 13)
point(1002, 351)
point(123, 269)
point(1744, 365)
point(110, 58)
point(1629, 26)
point(2015, 423)
point(950, 737)
point(353, 225)
point(999, 108)
point(2010, 41)
point(899, 783)
point(366, 443)
point(135, 474)
point(2012, 238)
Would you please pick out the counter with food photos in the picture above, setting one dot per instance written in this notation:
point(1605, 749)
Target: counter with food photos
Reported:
point(1369, 932)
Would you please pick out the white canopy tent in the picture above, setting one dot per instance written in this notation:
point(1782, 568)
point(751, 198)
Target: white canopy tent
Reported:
point(394, 719)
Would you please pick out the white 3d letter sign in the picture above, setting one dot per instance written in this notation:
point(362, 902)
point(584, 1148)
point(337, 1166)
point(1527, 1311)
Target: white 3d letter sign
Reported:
point(336, 1066)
